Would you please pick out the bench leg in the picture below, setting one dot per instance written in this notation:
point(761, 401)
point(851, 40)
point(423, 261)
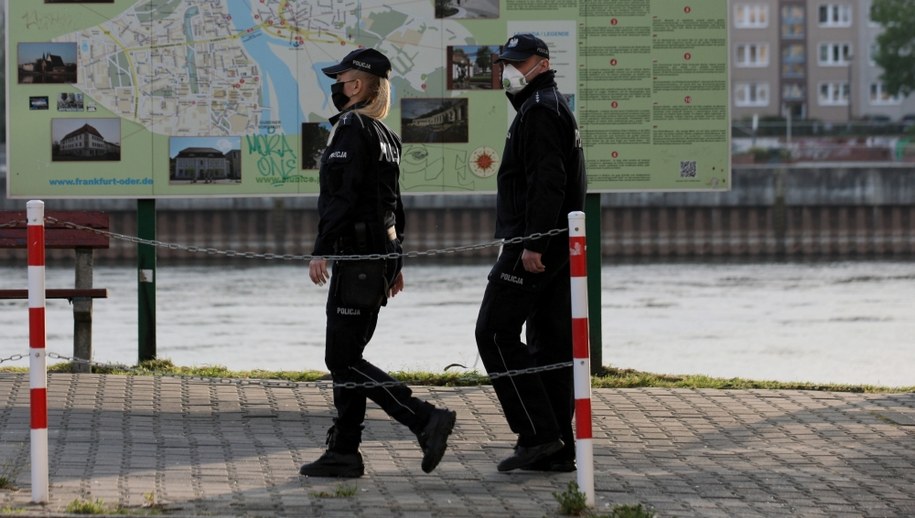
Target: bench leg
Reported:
point(82, 311)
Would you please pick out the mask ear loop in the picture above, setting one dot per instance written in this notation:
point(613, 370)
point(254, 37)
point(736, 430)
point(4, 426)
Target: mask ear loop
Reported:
point(529, 72)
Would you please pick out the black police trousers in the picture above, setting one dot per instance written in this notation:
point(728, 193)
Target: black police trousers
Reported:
point(512, 299)
point(349, 330)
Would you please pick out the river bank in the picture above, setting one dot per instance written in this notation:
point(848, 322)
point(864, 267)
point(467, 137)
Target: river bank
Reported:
point(828, 322)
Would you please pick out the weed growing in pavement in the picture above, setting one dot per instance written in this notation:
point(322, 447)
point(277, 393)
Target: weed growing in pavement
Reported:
point(149, 502)
point(571, 501)
point(83, 506)
point(10, 469)
point(631, 511)
point(342, 491)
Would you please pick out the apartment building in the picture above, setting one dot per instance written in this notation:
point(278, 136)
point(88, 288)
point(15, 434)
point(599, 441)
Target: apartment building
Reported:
point(810, 59)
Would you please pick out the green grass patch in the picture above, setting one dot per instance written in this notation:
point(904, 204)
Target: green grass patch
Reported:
point(6, 483)
point(341, 491)
point(610, 377)
point(606, 377)
point(83, 506)
point(573, 502)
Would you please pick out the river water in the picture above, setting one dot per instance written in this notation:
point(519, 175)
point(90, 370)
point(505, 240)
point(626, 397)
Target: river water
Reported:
point(840, 322)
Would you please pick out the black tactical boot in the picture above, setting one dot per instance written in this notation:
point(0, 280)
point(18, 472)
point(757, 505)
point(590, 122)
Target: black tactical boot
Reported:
point(433, 439)
point(341, 460)
point(336, 465)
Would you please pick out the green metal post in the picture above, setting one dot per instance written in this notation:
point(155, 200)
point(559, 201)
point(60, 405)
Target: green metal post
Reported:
point(146, 280)
point(593, 241)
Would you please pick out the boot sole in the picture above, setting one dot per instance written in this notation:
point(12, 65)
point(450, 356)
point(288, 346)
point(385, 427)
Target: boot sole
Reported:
point(331, 473)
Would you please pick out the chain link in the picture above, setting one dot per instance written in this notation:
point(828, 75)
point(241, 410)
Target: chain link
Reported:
point(492, 376)
point(134, 371)
point(531, 370)
point(294, 257)
point(14, 223)
point(13, 358)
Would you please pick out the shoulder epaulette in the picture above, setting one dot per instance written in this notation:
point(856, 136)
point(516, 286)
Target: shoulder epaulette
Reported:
point(548, 97)
point(350, 119)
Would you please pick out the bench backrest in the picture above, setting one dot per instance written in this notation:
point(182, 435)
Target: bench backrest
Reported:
point(56, 234)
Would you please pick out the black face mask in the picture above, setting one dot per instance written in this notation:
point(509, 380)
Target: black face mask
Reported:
point(337, 96)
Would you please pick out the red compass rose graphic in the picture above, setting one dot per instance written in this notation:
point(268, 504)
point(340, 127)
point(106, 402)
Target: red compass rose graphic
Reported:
point(484, 162)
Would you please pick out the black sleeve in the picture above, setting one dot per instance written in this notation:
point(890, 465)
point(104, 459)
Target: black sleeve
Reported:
point(345, 168)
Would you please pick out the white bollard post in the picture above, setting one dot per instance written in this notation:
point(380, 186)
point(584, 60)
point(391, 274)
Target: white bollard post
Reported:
point(38, 369)
point(581, 355)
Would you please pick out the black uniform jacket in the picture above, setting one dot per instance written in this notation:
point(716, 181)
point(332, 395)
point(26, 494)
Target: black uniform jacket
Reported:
point(542, 175)
point(359, 175)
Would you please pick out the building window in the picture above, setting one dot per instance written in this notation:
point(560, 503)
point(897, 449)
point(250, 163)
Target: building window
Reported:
point(751, 94)
point(751, 16)
point(879, 95)
point(872, 56)
point(793, 92)
point(834, 93)
point(835, 15)
point(794, 60)
point(793, 22)
point(835, 54)
point(753, 55)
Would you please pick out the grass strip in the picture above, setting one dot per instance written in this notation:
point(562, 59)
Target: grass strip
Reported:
point(606, 377)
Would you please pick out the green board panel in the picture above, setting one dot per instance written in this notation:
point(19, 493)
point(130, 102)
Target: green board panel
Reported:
point(195, 98)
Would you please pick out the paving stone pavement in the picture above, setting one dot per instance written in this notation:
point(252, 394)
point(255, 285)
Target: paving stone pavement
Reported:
point(196, 447)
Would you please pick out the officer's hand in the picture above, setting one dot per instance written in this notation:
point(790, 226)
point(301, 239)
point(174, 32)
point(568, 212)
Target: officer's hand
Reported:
point(396, 286)
point(317, 270)
point(531, 261)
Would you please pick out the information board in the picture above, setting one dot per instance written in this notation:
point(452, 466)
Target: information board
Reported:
point(191, 98)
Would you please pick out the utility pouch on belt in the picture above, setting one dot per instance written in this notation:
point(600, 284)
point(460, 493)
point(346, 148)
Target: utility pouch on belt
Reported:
point(509, 271)
point(361, 283)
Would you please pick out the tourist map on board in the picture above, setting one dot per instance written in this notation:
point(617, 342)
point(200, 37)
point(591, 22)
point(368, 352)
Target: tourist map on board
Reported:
point(188, 98)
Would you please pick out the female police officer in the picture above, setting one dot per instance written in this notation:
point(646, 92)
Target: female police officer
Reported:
point(361, 213)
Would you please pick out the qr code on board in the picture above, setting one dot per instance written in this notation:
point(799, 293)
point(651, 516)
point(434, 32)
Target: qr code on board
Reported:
point(687, 168)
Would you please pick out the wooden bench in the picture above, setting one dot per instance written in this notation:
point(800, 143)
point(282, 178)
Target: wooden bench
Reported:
point(58, 235)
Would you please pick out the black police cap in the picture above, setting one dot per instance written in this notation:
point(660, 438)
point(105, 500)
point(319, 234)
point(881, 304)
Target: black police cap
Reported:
point(367, 60)
point(522, 46)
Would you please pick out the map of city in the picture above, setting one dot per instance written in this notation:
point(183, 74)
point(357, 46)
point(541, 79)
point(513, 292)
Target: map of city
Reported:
point(213, 67)
point(190, 98)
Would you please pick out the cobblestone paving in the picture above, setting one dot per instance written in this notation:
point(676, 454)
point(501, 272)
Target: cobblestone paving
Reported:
point(197, 447)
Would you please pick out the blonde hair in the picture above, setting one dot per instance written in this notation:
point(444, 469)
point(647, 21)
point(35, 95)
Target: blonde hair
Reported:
point(378, 100)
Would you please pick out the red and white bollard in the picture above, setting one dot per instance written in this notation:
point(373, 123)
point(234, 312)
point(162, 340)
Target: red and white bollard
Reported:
point(38, 368)
point(581, 355)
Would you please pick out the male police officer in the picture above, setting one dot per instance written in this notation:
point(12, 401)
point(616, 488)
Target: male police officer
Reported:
point(541, 179)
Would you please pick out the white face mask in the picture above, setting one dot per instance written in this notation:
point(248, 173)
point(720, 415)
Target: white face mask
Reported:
point(513, 81)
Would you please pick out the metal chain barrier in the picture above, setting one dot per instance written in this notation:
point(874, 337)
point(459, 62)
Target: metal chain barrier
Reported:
point(492, 376)
point(14, 223)
point(293, 257)
point(134, 371)
point(531, 370)
point(13, 358)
